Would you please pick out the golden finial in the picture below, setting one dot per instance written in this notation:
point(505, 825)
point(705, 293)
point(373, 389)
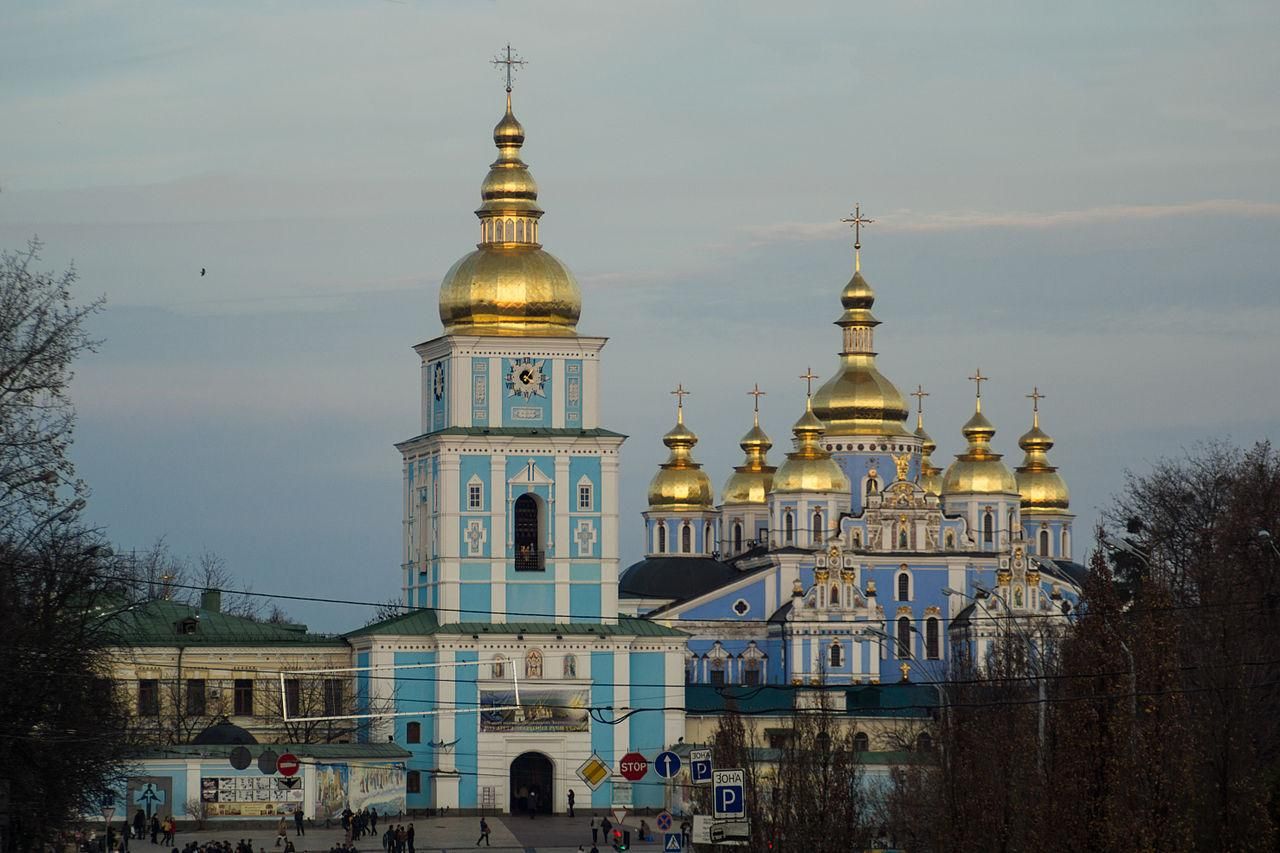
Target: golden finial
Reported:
point(977, 378)
point(919, 394)
point(512, 63)
point(680, 394)
point(857, 221)
point(1035, 397)
point(906, 670)
point(757, 393)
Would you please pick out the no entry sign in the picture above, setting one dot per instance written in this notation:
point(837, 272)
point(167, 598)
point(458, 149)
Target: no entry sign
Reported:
point(633, 766)
point(288, 764)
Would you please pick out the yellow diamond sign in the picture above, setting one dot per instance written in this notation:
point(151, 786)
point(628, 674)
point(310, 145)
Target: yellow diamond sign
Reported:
point(594, 771)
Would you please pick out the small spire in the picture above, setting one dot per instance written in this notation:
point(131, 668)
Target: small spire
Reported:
point(1035, 397)
point(680, 394)
point(919, 394)
point(977, 378)
point(857, 221)
point(757, 393)
point(808, 376)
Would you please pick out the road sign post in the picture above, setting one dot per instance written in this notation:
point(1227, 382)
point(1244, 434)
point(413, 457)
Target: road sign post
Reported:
point(672, 842)
point(667, 764)
point(700, 766)
point(288, 764)
point(729, 793)
point(633, 766)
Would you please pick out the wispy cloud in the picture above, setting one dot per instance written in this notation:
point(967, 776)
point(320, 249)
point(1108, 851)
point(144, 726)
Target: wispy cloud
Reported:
point(908, 221)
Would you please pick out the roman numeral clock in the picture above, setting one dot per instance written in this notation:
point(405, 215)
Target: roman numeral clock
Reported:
point(526, 378)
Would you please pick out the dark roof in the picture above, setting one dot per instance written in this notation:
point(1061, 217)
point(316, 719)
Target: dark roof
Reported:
point(424, 622)
point(174, 623)
point(780, 615)
point(385, 751)
point(857, 700)
point(519, 432)
point(677, 578)
point(224, 733)
point(1072, 572)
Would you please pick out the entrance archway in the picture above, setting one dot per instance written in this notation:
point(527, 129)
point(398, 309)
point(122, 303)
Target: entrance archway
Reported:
point(532, 773)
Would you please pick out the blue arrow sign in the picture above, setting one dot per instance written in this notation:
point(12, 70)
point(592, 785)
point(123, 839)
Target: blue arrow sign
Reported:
point(672, 843)
point(667, 764)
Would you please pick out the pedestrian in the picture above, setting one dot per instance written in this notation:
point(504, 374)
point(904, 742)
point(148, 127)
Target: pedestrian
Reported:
point(297, 821)
point(533, 803)
point(386, 840)
point(373, 820)
point(484, 833)
point(124, 836)
point(139, 824)
point(605, 826)
point(408, 837)
point(595, 831)
point(571, 797)
point(155, 827)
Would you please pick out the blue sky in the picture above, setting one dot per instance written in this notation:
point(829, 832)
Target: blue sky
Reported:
point(1083, 197)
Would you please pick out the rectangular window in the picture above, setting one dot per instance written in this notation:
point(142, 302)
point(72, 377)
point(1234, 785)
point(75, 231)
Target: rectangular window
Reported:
point(584, 497)
point(717, 678)
point(751, 676)
point(148, 697)
point(292, 696)
point(475, 496)
point(195, 697)
point(413, 782)
point(334, 701)
point(244, 697)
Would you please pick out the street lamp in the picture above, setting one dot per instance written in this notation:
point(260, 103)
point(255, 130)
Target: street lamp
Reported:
point(1265, 536)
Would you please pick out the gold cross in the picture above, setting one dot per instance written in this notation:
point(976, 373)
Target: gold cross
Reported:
point(919, 394)
point(680, 394)
point(857, 221)
point(757, 393)
point(1035, 397)
point(808, 376)
point(512, 61)
point(978, 378)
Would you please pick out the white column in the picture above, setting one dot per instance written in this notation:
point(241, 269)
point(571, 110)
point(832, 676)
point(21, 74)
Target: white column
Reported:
point(565, 544)
point(609, 538)
point(557, 393)
point(495, 391)
point(590, 392)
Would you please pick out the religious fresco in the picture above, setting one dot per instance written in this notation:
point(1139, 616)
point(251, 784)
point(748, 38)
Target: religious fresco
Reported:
point(330, 790)
point(380, 788)
point(539, 711)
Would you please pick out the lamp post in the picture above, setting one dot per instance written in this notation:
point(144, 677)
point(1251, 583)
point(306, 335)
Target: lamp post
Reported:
point(1265, 536)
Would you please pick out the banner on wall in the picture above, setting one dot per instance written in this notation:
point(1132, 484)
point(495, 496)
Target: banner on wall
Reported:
point(330, 790)
point(380, 788)
point(539, 711)
point(249, 796)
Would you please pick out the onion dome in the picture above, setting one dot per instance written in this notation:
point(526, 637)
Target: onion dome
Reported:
point(858, 399)
point(929, 477)
point(751, 480)
point(809, 468)
point(509, 285)
point(978, 470)
point(1041, 486)
point(680, 483)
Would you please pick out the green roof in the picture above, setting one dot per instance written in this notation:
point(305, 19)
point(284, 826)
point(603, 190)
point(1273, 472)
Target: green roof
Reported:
point(164, 623)
point(371, 751)
point(420, 622)
point(857, 700)
point(520, 432)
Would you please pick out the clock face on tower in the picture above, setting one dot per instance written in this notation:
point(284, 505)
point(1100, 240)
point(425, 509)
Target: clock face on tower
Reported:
point(437, 380)
point(526, 378)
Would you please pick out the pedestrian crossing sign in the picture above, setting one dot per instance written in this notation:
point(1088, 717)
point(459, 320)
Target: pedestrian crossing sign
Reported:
point(672, 842)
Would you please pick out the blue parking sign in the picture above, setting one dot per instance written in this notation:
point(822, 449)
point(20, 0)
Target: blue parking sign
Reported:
point(729, 795)
point(700, 765)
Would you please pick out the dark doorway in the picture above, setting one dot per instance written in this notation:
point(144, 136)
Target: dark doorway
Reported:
point(525, 526)
point(532, 774)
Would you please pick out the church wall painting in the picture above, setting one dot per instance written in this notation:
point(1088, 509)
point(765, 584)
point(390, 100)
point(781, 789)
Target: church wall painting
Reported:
point(330, 790)
point(551, 710)
point(376, 787)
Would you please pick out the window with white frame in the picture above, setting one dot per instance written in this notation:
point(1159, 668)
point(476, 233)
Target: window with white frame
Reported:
point(475, 494)
point(585, 502)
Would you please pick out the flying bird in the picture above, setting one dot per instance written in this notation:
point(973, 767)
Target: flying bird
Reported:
point(202, 272)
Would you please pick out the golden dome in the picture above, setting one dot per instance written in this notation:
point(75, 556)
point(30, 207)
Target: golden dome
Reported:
point(978, 470)
point(509, 285)
point(680, 483)
point(809, 468)
point(1041, 486)
point(751, 481)
point(858, 399)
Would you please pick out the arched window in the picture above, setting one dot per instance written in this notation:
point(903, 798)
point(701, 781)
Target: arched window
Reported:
point(872, 486)
point(691, 669)
point(1044, 543)
point(413, 782)
point(836, 657)
point(857, 538)
point(817, 526)
point(570, 666)
point(789, 526)
point(502, 231)
point(520, 230)
point(931, 650)
point(413, 733)
point(498, 668)
point(835, 595)
point(951, 539)
point(737, 536)
point(904, 586)
point(511, 231)
point(526, 525)
point(988, 527)
point(861, 743)
point(533, 664)
point(686, 538)
point(924, 743)
point(904, 637)
point(1013, 521)
point(903, 542)
point(662, 537)
point(706, 536)
point(1066, 545)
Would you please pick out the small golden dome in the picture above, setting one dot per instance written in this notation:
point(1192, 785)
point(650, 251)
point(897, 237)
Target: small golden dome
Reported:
point(751, 481)
point(978, 470)
point(858, 399)
point(1041, 486)
point(809, 468)
point(509, 285)
point(680, 483)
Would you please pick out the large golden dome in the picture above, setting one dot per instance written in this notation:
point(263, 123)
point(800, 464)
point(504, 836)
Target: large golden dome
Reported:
point(509, 285)
point(680, 483)
point(1041, 486)
point(858, 399)
point(809, 468)
point(751, 481)
point(978, 470)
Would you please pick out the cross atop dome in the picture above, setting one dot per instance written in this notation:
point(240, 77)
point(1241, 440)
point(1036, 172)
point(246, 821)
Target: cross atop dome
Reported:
point(808, 376)
point(1035, 397)
point(511, 63)
point(680, 394)
point(857, 221)
point(977, 378)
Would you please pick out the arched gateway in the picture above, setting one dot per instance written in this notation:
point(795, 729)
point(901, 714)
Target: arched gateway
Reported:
point(532, 780)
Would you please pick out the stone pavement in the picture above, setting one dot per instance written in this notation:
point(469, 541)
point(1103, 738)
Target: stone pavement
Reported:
point(507, 834)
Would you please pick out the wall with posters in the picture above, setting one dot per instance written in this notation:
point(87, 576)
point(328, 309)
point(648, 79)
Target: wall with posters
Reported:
point(250, 796)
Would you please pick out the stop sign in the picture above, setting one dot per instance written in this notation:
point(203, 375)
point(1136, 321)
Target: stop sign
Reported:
point(633, 766)
point(288, 764)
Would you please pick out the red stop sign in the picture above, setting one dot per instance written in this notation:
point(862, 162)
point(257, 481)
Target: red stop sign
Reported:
point(288, 764)
point(633, 766)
